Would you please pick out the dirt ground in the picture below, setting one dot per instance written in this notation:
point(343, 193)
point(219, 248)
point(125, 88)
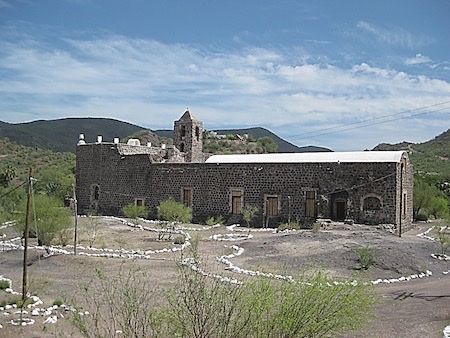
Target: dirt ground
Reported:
point(419, 307)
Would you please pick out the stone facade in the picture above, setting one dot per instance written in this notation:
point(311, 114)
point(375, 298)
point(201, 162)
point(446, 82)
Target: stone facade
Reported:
point(110, 176)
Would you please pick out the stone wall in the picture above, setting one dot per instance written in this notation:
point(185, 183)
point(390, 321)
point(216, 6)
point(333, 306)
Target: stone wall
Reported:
point(370, 192)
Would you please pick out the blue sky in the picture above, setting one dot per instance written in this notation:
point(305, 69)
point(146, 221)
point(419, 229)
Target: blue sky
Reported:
point(346, 75)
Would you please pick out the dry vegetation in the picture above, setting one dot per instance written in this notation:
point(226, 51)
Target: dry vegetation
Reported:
point(414, 309)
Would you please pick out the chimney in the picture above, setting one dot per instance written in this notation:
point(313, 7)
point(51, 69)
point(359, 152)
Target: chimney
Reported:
point(81, 140)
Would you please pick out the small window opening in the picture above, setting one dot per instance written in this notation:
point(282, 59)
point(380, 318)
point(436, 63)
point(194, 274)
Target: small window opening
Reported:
point(96, 192)
point(197, 133)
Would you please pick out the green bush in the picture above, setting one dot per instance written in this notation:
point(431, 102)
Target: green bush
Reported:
point(215, 220)
point(58, 302)
point(4, 284)
point(366, 257)
point(289, 226)
point(134, 211)
point(173, 211)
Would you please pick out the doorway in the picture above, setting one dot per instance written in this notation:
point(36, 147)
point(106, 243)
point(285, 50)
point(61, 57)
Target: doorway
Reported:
point(338, 210)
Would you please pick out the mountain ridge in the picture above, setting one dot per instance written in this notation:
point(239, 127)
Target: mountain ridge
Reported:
point(61, 135)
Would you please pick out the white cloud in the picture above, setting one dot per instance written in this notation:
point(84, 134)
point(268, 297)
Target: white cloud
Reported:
point(149, 83)
point(418, 59)
point(395, 36)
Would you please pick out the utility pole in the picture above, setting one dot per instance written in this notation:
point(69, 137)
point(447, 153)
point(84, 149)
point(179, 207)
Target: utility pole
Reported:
point(75, 208)
point(26, 234)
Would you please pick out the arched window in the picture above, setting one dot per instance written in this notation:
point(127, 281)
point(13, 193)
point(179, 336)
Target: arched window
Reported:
point(372, 203)
point(197, 133)
point(183, 131)
point(182, 147)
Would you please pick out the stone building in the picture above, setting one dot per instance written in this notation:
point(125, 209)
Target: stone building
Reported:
point(372, 187)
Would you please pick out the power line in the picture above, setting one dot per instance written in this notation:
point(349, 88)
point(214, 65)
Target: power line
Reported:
point(362, 124)
point(371, 124)
point(8, 192)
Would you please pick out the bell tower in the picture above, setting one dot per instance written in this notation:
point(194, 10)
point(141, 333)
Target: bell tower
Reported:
point(188, 137)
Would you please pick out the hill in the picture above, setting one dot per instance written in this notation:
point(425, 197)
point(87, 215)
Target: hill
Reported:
point(62, 134)
point(431, 157)
point(258, 132)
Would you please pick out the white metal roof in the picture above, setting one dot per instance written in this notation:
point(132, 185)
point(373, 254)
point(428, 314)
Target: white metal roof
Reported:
point(319, 157)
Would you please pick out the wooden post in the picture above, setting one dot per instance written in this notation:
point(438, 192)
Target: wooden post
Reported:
point(26, 234)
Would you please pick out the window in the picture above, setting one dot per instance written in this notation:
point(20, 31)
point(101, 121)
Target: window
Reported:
point(182, 147)
point(187, 197)
point(236, 201)
point(139, 202)
point(272, 205)
point(95, 192)
point(310, 204)
point(197, 133)
point(372, 203)
point(183, 131)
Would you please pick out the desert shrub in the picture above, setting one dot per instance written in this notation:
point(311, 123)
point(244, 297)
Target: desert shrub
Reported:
point(249, 212)
point(119, 305)
point(179, 240)
point(64, 236)
point(58, 302)
point(443, 236)
point(366, 257)
point(4, 284)
point(316, 226)
point(134, 211)
point(421, 217)
point(289, 226)
point(215, 220)
point(173, 211)
point(92, 228)
point(200, 306)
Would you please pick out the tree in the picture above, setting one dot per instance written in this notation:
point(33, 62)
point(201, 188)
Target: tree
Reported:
point(267, 144)
point(134, 211)
point(56, 181)
point(423, 194)
point(438, 207)
point(428, 199)
point(173, 211)
point(48, 218)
